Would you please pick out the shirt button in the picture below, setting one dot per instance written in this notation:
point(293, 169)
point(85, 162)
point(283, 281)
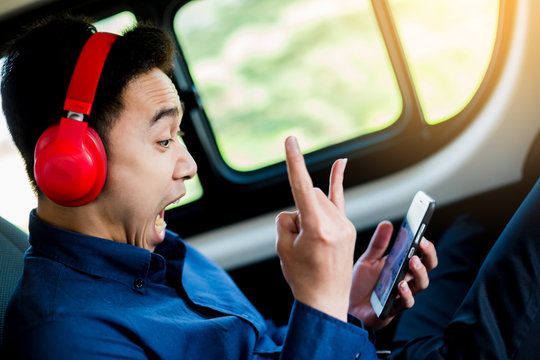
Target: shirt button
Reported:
point(357, 356)
point(138, 284)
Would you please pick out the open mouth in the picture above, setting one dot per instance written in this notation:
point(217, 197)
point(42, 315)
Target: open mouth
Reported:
point(160, 224)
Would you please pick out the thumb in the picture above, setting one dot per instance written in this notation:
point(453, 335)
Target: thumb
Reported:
point(379, 241)
point(287, 226)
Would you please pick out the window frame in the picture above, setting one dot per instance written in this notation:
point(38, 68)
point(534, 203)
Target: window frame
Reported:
point(231, 196)
point(372, 156)
point(409, 126)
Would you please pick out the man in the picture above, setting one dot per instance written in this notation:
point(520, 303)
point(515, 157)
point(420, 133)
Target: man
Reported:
point(104, 279)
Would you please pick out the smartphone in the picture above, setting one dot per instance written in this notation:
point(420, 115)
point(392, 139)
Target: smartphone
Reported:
point(410, 233)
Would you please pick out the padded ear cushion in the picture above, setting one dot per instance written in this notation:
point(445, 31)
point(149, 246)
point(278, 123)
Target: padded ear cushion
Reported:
point(70, 163)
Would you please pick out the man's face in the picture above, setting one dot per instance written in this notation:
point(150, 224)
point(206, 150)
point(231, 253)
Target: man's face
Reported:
point(147, 164)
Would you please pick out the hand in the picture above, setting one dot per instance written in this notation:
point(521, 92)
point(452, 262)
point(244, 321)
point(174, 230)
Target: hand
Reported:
point(316, 242)
point(369, 266)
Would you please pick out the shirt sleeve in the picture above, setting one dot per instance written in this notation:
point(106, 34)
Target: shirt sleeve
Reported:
point(67, 339)
point(315, 335)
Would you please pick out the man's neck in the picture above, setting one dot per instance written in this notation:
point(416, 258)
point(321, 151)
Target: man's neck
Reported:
point(90, 219)
point(82, 219)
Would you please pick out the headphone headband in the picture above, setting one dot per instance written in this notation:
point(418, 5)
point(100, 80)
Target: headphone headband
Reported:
point(70, 163)
point(85, 78)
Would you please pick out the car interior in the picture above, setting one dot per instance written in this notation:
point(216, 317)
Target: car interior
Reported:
point(418, 95)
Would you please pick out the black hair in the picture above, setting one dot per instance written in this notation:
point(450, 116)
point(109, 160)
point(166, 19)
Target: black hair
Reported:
point(39, 65)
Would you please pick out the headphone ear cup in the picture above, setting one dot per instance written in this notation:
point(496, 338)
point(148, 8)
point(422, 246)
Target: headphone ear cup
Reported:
point(70, 163)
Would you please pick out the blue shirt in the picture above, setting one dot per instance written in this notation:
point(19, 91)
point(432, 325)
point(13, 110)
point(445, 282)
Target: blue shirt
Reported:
point(90, 298)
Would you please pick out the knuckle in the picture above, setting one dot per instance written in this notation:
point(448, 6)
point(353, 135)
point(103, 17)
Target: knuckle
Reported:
point(348, 231)
point(320, 196)
point(280, 248)
point(350, 228)
point(318, 232)
point(280, 217)
point(302, 184)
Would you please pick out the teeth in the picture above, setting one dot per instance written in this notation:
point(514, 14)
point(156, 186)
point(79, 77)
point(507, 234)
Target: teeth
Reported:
point(160, 224)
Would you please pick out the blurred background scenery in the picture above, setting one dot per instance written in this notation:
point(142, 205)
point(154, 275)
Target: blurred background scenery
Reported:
point(317, 69)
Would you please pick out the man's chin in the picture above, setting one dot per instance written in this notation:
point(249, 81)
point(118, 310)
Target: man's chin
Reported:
point(155, 238)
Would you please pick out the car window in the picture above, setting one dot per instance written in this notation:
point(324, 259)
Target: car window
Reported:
point(321, 70)
point(449, 45)
point(17, 197)
point(266, 69)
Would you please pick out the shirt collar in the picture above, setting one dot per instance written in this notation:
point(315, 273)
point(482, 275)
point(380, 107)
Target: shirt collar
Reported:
point(100, 257)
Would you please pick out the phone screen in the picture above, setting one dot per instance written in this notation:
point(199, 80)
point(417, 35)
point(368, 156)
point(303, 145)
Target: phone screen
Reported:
point(395, 260)
point(405, 244)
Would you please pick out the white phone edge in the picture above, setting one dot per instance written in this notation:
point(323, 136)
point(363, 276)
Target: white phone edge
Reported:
point(378, 307)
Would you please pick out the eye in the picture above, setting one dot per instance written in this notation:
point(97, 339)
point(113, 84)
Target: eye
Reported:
point(165, 143)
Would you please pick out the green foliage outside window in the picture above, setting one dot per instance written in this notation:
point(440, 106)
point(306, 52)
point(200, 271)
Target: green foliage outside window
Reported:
point(266, 69)
point(319, 69)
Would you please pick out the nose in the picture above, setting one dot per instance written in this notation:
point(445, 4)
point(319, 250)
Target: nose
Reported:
point(185, 167)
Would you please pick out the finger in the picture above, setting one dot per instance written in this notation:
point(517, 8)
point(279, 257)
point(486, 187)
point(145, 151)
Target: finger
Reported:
point(429, 254)
point(287, 221)
point(299, 179)
point(379, 241)
point(420, 279)
point(335, 193)
point(287, 230)
point(406, 298)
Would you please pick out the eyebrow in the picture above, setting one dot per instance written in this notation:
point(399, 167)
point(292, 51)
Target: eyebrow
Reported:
point(172, 112)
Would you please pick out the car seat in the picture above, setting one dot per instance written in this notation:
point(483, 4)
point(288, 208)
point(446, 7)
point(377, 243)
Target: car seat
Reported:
point(13, 244)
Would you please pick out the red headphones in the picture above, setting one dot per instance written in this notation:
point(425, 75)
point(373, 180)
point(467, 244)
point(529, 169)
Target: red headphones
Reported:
point(70, 164)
